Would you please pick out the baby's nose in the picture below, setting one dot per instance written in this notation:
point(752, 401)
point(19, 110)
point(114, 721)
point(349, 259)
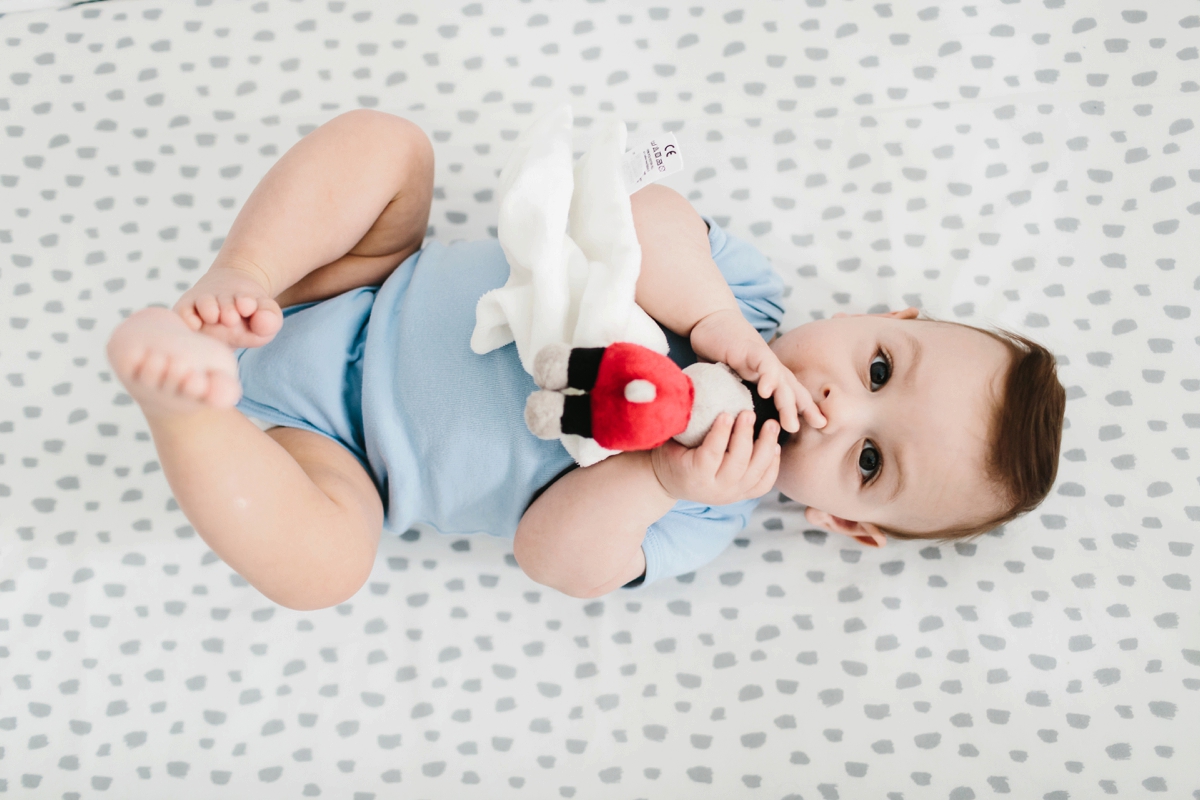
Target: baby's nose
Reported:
point(839, 409)
point(821, 400)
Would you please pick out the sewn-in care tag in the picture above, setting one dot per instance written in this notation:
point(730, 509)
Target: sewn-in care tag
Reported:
point(651, 160)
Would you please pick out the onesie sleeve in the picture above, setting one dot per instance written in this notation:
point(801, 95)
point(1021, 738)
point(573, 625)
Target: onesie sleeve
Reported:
point(756, 285)
point(690, 535)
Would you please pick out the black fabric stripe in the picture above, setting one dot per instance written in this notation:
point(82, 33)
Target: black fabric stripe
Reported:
point(577, 414)
point(583, 366)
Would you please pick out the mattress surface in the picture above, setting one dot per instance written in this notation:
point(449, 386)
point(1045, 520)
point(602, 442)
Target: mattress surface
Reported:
point(1031, 165)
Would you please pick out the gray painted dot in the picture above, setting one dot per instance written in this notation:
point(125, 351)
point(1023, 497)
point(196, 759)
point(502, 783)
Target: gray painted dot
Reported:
point(1119, 752)
point(927, 741)
point(1163, 709)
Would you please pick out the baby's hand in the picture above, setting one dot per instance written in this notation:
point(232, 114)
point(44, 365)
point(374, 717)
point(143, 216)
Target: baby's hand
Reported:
point(229, 305)
point(726, 337)
point(727, 467)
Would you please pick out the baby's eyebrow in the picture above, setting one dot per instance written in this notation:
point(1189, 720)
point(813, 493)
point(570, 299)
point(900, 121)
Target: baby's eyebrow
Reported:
point(914, 359)
point(898, 483)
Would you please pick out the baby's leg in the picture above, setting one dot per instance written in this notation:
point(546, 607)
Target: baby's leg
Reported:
point(341, 209)
point(291, 511)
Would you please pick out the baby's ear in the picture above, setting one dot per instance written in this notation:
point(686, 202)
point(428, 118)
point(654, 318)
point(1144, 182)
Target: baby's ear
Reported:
point(863, 532)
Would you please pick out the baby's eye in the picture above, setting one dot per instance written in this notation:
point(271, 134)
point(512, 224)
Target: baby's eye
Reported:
point(869, 462)
point(880, 370)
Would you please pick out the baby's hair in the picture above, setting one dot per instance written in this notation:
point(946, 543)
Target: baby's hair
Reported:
point(1025, 434)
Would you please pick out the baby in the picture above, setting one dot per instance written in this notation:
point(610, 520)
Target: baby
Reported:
point(382, 416)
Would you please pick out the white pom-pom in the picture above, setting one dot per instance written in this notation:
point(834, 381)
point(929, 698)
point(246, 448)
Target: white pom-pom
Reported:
point(640, 391)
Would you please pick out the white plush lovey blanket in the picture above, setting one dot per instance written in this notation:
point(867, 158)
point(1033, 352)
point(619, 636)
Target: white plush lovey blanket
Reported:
point(567, 232)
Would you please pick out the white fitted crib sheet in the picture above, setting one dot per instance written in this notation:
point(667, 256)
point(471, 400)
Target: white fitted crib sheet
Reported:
point(1031, 164)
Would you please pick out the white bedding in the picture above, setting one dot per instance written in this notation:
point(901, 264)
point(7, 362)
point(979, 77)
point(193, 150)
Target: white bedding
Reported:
point(1030, 164)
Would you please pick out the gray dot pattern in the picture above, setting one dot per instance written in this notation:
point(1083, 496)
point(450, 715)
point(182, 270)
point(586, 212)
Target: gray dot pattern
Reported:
point(1030, 164)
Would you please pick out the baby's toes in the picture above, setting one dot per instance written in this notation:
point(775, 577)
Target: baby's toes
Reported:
point(195, 385)
point(223, 390)
point(266, 321)
point(230, 317)
point(176, 375)
point(208, 309)
point(152, 369)
point(245, 305)
point(189, 315)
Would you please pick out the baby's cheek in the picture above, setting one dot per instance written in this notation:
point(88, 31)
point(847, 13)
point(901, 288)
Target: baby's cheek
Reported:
point(789, 480)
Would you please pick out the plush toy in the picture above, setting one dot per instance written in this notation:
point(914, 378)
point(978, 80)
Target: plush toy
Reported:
point(628, 397)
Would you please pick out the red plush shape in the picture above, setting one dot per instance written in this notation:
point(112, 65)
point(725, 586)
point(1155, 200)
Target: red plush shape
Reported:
point(619, 424)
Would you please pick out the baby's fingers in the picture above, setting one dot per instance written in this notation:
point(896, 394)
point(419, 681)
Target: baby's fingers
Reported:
point(711, 451)
point(764, 464)
point(808, 408)
point(739, 450)
point(785, 402)
point(766, 385)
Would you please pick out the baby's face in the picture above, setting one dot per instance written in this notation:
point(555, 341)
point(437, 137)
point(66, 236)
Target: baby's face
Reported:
point(908, 405)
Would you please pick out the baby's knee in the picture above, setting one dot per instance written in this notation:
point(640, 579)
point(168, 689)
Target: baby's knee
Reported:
point(331, 589)
point(391, 128)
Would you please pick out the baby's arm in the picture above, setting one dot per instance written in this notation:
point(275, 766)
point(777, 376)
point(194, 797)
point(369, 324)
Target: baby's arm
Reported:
point(342, 208)
point(681, 286)
point(583, 536)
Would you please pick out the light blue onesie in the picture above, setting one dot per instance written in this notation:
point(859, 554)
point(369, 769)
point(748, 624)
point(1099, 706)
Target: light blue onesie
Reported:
point(388, 373)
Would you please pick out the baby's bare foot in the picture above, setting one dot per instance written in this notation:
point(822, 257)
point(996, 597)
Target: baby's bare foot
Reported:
point(170, 369)
point(229, 305)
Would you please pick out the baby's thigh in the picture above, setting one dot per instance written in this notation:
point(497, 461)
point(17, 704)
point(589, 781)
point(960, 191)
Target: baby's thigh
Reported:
point(336, 472)
point(400, 228)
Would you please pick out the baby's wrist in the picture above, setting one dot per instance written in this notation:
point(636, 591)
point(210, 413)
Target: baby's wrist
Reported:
point(657, 467)
point(721, 318)
point(714, 333)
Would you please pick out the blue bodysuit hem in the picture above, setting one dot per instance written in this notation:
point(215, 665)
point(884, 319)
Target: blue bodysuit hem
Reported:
point(253, 408)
